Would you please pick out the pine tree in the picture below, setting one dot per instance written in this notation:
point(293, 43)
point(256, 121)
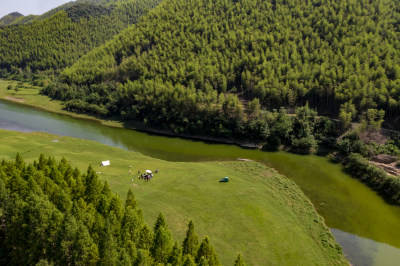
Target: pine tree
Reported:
point(240, 261)
point(109, 252)
point(19, 162)
point(191, 241)
point(162, 245)
point(92, 188)
point(207, 251)
point(130, 200)
point(145, 238)
point(203, 262)
point(188, 261)
point(175, 257)
point(160, 222)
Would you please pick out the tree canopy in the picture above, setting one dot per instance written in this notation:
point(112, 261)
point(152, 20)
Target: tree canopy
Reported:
point(51, 213)
point(60, 37)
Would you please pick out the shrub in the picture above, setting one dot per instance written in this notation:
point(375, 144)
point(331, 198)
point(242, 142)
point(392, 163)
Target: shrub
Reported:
point(373, 176)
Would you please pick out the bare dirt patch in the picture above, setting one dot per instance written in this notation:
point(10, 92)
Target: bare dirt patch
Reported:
point(374, 136)
point(15, 99)
point(384, 158)
point(390, 168)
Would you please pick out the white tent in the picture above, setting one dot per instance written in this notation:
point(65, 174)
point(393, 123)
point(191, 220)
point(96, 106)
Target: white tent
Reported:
point(148, 172)
point(105, 163)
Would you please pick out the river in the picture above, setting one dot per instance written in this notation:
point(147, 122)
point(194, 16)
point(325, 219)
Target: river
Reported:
point(367, 228)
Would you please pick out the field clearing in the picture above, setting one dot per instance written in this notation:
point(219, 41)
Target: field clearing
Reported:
point(28, 94)
point(259, 213)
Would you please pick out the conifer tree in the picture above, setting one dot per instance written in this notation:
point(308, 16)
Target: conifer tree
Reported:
point(203, 262)
point(109, 251)
point(160, 222)
point(130, 200)
point(240, 261)
point(92, 190)
point(188, 261)
point(176, 255)
point(162, 245)
point(191, 241)
point(145, 238)
point(207, 251)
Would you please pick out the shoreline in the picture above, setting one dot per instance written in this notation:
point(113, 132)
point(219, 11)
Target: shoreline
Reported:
point(21, 99)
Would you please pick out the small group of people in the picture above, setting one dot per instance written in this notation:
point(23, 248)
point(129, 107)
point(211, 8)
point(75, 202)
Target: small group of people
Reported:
point(147, 175)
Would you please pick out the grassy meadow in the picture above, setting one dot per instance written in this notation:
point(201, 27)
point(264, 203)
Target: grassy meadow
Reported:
point(259, 213)
point(28, 94)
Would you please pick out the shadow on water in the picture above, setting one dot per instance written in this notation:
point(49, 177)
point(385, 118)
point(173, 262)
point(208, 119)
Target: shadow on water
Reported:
point(344, 202)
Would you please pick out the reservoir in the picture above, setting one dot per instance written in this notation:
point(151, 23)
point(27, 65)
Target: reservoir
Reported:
point(367, 227)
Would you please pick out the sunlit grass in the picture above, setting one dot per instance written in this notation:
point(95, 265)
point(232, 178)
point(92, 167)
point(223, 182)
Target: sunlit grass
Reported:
point(259, 213)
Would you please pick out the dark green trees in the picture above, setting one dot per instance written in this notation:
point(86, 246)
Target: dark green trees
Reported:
point(162, 242)
point(190, 62)
point(50, 42)
point(94, 228)
point(191, 241)
point(240, 261)
point(206, 253)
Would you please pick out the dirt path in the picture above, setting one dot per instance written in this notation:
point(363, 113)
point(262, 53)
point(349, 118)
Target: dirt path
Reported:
point(15, 99)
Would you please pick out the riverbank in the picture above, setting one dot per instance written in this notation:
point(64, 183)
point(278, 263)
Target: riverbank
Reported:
point(29, 95)
point(344, 202)
point(260, 213)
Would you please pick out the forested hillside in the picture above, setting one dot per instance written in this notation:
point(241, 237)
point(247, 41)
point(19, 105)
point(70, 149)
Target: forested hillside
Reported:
point(186, 55)
point(10, 18)
point(61, 36)
point(53, 214)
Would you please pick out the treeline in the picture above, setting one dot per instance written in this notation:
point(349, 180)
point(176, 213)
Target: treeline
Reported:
point(185, 111)
point(284, 53)
point(53, 42)
point(50, 213)
point(355, 154)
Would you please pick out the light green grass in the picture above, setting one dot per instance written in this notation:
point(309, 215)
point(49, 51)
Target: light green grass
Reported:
point(259, 213)
point(29, 95)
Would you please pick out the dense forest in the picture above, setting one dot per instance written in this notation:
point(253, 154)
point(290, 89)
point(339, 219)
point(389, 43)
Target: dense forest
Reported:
point(61, 36)
point(10, 18)
point(51, 214)
point(215, 53)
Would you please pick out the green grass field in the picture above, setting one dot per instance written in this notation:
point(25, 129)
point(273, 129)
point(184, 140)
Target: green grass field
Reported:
point(29, 95)
point(259, 213)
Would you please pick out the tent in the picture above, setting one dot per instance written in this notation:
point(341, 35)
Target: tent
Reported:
point(225, 179)
point(148, 172)
point(105, 163)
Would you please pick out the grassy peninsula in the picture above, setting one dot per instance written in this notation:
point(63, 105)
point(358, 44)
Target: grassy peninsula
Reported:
point(259, 213)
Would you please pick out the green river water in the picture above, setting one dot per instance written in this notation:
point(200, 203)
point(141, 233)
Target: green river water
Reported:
point(365, 225)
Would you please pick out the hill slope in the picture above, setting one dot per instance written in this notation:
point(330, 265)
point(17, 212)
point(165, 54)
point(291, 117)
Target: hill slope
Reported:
point(284, 53)
point(259, 213)
point(61, 36)
point(10, 18)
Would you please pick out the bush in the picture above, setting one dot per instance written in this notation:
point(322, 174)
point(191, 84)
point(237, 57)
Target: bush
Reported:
point(306, 145)
point(9, 87)
point(373, 176)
